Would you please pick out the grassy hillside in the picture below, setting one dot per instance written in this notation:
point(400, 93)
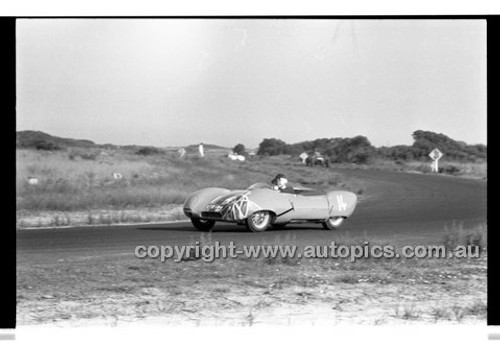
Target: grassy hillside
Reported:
point(43, 141)
point(68, 182)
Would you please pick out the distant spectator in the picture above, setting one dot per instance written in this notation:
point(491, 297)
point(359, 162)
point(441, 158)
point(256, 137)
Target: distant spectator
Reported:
point(182, 152)
point(201, 150)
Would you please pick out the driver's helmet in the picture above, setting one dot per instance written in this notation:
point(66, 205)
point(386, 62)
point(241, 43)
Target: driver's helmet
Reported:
point(279, 182)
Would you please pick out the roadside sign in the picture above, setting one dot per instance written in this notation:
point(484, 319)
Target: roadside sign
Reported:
point(436, 154)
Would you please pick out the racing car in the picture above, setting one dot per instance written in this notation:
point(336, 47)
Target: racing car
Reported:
point(317, 159)
point(260, 207)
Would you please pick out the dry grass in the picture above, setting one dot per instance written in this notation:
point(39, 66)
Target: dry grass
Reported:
point(253, 291)
point(74, 180)
point(169, 212)
point(80, 182)
point(459, 236)
point(467, 170)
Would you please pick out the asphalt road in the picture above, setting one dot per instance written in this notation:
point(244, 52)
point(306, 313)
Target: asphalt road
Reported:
point(395, 207)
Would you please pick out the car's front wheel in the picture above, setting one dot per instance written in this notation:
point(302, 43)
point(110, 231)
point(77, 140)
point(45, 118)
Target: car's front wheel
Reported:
point(259, 221)
point(333, 223)
point(203, 225)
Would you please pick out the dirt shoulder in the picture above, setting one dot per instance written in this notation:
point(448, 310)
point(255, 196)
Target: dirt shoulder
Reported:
point(121, 289)
point(158, 214)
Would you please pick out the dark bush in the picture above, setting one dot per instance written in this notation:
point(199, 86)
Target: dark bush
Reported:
point(46, 145)
point(91, 156)
point(361, 158)
point(85, 154)
point(425, 141)
point(449, 169)
point(148, 150)
point(272, 147)
point(239, 149)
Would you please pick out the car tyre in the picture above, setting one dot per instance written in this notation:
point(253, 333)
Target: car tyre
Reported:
point(333, 223)
point(259, 221)
point(203, 225)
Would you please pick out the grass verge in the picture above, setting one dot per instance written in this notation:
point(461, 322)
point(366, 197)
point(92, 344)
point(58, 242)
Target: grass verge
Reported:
point(112, 290)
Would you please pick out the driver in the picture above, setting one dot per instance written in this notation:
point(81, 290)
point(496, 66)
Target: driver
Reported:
point(279, 183)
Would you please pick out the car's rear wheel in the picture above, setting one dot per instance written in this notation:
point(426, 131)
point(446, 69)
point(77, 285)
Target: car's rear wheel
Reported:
point(333, 223)
point(259, 221)
point(203, 225)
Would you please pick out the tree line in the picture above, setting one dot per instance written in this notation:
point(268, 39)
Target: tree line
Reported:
point(359, 149)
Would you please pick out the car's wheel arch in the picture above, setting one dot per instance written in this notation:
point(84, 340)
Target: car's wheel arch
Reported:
point(249, 221)
point(270, 211)
point(338, 221)
point(197, 201)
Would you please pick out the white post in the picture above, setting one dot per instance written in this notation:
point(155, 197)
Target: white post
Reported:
point(435, 166)
point(200, 149)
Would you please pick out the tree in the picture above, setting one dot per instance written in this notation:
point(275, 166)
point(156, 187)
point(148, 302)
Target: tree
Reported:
point(42, 144)
point(239, 149)
point(425, 141)
point(272, 147)
point(148, 150)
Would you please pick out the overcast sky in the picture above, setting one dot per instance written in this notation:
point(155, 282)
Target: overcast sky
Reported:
point(169, 82)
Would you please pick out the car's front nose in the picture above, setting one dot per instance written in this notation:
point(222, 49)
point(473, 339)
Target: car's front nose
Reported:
point(212, 211)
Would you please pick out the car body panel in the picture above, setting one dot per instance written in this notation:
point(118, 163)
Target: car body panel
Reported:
point(310, 207)
point(341, 203)
point(197, 202)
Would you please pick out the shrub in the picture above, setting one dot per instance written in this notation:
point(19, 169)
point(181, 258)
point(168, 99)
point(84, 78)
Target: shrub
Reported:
point(425, 141)
point(89, 155)
point(458, 236)
point(46, 145)
point(450, 169)
point(272, 147)
point(148, 150)
point(239, 149)
point(86, 155)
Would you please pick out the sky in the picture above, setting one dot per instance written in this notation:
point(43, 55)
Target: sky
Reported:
point(175, 82)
